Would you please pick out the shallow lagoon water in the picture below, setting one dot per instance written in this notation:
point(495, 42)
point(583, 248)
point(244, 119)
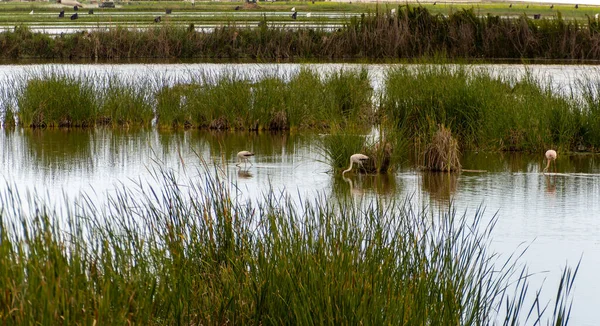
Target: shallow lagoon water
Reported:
point(556, 216)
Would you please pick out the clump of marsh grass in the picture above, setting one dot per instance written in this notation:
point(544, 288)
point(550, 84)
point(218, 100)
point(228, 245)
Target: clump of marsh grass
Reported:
point(8, 118)
point(57, 99)
point(172, 105)
point(125, 103)
point(484, 110)
point(279, 121)
point(339, 146)
point(442, 152)
point(184, 251)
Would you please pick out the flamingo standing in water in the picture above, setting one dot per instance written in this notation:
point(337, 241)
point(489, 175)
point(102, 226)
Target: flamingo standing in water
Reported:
point(358, 159)
point(550, 156)
point(243, 156)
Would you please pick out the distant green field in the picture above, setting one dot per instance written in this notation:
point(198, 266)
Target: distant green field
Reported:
point(45, 13)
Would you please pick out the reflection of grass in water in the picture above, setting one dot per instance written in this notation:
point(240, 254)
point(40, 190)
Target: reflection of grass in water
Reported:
point(185, 251)
point(59, 148)
point(440, 186)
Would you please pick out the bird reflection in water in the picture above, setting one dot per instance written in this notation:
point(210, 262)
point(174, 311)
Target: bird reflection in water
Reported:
point(381, 184)
point(550, 184)
point(244, 174)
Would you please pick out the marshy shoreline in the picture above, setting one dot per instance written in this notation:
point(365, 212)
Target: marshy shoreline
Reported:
point(409, 32)
point(483, 109)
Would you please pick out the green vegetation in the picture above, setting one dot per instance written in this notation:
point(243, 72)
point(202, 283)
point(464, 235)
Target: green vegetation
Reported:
point(57, 100)
point(185, 252)
point(484, 111)
point(232, 101)
point(481, 109)
point(412, 32)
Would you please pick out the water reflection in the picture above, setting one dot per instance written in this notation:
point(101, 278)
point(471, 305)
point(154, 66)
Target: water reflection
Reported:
point(550, 184)
point(440, 186)
point(63, 150)
point(244, 174)
point(361, 184)
point(557, 213)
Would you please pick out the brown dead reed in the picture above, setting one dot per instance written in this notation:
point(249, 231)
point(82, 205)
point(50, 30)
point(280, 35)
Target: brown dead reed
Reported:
point(442, 153)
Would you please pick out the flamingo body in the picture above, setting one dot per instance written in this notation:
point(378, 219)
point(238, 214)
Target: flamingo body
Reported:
point(243, 156)
point(551, 156)
point(356, 158)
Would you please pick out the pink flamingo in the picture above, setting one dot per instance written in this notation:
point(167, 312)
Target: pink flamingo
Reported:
point(243, 156)
point(358, 159)
point(550, 156)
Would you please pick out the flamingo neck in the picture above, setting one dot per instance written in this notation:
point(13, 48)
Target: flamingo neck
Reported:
point(349, 169)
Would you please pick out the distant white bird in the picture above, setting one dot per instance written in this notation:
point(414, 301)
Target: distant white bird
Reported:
point(243, 156)
point(393, 11)
point(596, 15)
point(70, 3)
point(358, 159)
point(551, 157)
point(308, 15)
point(293, 9)
point(31, 13)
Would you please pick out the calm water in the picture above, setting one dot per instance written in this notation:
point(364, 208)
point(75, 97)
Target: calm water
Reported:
point(557, 217)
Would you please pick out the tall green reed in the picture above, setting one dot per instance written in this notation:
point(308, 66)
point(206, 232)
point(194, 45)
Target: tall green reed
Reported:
point(125, 102)
point(482, 110)
point(236, 101)
point(56, 99)
point(183, 251)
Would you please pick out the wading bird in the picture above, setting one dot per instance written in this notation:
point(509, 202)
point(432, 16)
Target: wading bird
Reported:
point(294, 15)
point(293, 9)
point(358, 159)
point(243, 156)
point(61, 14)
point(550, 156)
point(74, 16)
point(157, 19)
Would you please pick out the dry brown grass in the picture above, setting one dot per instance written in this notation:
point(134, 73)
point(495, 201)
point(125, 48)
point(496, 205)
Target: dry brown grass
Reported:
point(442, 153)
point(279, 121)
point(380, 157)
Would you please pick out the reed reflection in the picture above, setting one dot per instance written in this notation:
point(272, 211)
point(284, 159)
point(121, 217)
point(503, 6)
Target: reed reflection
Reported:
point(361, 184)
point(441, 186)
point(58, 149)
